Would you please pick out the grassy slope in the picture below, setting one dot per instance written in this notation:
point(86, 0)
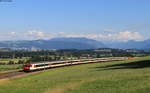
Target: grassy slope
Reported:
point(89, 78)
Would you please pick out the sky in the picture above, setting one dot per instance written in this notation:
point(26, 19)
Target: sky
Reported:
point(103, 20)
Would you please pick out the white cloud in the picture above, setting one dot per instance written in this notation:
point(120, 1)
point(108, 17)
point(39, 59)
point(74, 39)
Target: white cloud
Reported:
point(128, 35)
point(12, 33)
point(118, 36)
point(36, 34)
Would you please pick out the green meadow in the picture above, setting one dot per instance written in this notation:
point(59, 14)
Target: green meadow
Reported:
point(130, 76)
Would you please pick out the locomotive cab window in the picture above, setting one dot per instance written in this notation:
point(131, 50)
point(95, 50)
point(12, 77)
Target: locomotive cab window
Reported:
point(27, 65)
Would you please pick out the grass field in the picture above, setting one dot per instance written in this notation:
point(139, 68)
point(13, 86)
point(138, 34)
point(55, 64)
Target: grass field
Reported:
point(111, 77)
point(9, 68)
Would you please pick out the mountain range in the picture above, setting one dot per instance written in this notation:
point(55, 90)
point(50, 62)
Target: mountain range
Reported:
point(55, 43)
point(74, 43)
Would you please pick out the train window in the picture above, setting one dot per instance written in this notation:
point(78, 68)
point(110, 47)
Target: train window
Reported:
point(27, 65)
point(40, 65)
point(58, 63)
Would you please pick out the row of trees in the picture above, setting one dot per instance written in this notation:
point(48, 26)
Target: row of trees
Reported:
point(76, 53)
point(49, 55)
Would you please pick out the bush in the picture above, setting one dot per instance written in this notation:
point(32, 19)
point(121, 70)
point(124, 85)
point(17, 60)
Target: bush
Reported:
point(20, 62)
point(11, 62)
point(2, 63)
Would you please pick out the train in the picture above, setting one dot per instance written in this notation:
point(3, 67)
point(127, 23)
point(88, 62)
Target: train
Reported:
point(47, 65)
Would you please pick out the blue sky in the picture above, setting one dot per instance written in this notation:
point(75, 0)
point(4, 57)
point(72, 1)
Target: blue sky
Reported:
point(97, 19)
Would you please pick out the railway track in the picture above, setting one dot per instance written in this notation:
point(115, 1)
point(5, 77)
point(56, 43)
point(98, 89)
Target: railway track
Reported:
point(11, 74)
point(22, 73)
point(17, 74)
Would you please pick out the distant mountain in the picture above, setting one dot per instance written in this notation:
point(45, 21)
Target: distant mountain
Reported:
point(131, 44)
point(55, 43)
point(74, 43)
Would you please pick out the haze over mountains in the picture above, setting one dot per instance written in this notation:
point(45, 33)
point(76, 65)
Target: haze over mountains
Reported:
point(131, 44)
point(73, 43)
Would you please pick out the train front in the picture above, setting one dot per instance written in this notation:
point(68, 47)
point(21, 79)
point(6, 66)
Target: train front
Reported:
point(27, 67)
